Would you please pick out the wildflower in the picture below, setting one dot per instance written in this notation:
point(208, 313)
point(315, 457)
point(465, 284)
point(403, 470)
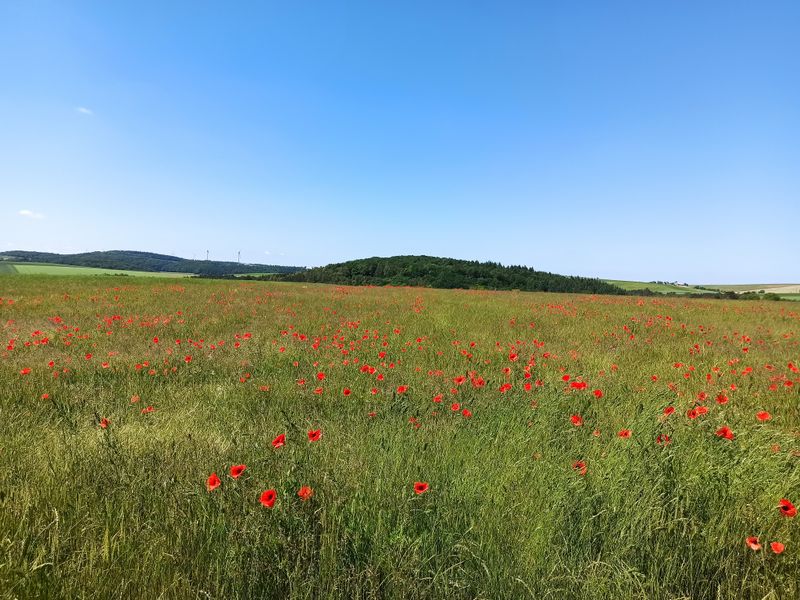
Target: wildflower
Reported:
point(624, 433)
point(305, 493)
point(763, 416)
point(237, 470)
point(268, 498)
point(787, 508)
point(752, 543)
point(314, 435)
point(279, 441)
point(420, 487)
point(213, 482)
point(777, 547)
point(725, 432)
point(104, 423)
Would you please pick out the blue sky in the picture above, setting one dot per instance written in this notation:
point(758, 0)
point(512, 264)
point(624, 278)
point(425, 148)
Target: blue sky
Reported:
point(631, 140)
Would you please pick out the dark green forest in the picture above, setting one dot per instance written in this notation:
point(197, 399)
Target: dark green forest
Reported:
point(448, 273)
point(146, 261)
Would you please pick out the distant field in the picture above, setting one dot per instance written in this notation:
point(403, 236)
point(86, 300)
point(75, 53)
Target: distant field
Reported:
point(655, 287)
point(252, 274)
point(774, 288)
point(24, 268)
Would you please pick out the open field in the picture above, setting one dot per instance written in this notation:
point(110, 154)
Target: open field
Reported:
point(438, 444)
point(655, 287)
point(28, 268)
point(774, 288)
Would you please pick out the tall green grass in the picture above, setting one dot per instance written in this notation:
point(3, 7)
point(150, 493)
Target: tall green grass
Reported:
point(124, 511)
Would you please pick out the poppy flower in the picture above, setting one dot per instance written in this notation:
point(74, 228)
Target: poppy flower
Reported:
point(279, 441)
point(787, 508)
point(346, 391)
point(420, 487)
point(213, 482)
point(25, 371)
point(268, 498)
point(580, 467)
point(725, 432)
point(752, 543)
point(763, 416)
point(576, 420)
point(104, 423)
point(402, 389)
point(777, 547)
point(314, 435)
point(598, 393)
point(624, 433)
point(305, 493)
point(466, 413)
point(669, 410)
point(320, 376)
point(237, 470)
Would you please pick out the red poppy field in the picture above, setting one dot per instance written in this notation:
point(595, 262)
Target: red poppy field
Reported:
point(219, 439)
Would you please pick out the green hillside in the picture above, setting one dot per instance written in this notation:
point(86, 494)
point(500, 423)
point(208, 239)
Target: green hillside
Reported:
point(129, 260)
point(449, 273)
point(655, 286)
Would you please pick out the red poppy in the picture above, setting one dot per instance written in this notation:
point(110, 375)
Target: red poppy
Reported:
point(669, 410)
point(147, 410)
point(777, 547)
point(279, 441)
point(104, 423)
point(580, 467)
point(268, 498)
point(663, 439)
point(187, 359)
point(725, 432)
point(346, 391)
point(314, 435)
point(598, 393)
point(466, 413)
point(25, 371)
point(752, 543)
point(402, 389)
point(420, 487)
point(577, 420)
point(624, 433)
point(787, 508)
point(763, 416)
point(320, 376)
point(213, 482)
point(305, 493)
point(237, 470)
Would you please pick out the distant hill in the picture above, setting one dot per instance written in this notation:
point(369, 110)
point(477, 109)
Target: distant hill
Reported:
point(430, 271)
point(146, 261)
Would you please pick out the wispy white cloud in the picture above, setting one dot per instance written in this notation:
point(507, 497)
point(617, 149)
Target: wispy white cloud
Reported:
point(267, 252)
point(84, 111)
point(30, 214)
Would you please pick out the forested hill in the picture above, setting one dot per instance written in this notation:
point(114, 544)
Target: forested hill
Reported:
point(145, 261)
point(430, 271)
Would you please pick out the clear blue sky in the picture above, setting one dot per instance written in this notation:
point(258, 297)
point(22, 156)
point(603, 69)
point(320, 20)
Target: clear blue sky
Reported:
point(631, 140)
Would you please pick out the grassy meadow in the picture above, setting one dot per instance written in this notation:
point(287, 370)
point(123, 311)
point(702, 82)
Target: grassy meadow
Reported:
point(438, 444)
point(32, 268)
